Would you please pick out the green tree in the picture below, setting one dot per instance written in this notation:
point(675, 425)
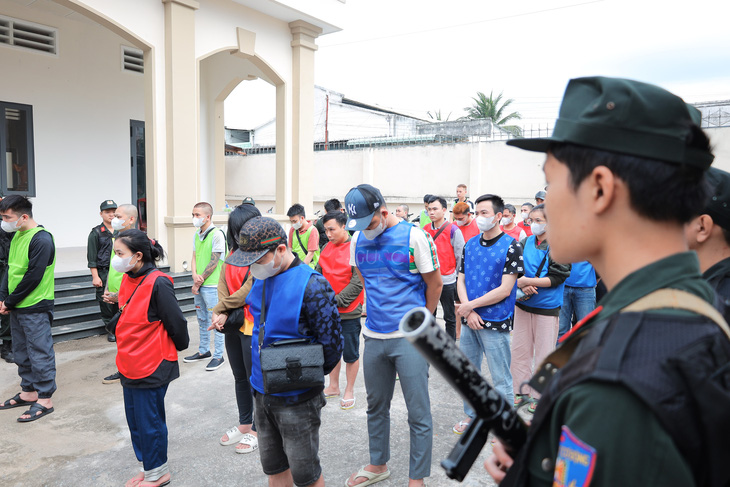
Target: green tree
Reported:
point(489, 107)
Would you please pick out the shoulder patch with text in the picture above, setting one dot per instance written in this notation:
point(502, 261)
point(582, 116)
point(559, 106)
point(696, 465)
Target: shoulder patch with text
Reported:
point(575, 463)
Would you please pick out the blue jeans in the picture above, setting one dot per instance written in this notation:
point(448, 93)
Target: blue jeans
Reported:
point(145, 411)
point(381, 360)
point(204, 303)
point(578, 300)
point(495, 345)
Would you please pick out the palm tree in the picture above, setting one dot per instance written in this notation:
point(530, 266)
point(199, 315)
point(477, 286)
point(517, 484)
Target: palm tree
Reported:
point(489, 107)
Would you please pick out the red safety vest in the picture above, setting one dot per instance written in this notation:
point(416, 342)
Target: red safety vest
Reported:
point(142, 345)
point(445, 250)
point(470, 230)
point(335, 262)
point(235, 276)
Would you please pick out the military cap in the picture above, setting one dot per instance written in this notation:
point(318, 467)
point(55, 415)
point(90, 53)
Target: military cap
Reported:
point(540, 195)
point(248, 201)
point(623, 116)
point(108, 205)
point(718, 207)
point(257, 236)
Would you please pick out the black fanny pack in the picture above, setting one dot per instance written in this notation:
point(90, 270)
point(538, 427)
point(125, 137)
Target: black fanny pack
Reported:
point(288, 365)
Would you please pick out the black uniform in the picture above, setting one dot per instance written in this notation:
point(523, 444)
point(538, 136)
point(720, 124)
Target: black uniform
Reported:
point(98, 254)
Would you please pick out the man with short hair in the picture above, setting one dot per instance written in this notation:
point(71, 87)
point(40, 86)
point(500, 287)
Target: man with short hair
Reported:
point(708, 235)
point(209, 249)
point(296, 303)
point(487, 288)
point(626, 398)
point(449, 243)
point(303, 238)
point(27, 294)
point(423, 218)
point(508, 225)
point(334, 264)
point(461, 197)
point(465, 221)
point(524, 217)
point(99, 247)
point(401, 211)
point(399, 268)
point(125, 218)
point(329, 206)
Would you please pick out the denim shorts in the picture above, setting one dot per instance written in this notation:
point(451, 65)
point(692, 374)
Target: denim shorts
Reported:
point(351, 332)
point(289, 436)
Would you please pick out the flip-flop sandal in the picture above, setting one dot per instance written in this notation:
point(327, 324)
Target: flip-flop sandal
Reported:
point(371, 477)
point(344, 403)
point(533, 406)
point(251, 441)
point(234, 436)
point(463, 425)
point(330, 396)
point(18, 402)
point(35, 408)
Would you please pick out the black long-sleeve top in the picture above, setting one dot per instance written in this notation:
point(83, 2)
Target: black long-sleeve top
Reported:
point(41, 253)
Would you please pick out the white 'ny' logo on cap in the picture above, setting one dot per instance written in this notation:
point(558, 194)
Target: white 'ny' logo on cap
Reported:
point(352, 223)
point(351, 209)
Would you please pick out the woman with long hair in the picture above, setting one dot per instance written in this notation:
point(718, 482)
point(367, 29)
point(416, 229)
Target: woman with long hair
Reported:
point(150, 331)
point(537, 312)
point(232, 317)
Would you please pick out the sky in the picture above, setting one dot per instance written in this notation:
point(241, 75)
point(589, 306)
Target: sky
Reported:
point(419, 56)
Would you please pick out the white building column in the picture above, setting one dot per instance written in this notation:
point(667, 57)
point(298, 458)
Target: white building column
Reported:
point(303, 49)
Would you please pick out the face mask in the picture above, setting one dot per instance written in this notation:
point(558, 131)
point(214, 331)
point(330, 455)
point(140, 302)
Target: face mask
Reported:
point(485, 224)
point(10, 227)
point(538, 228)
point(524, 215)
point(264, 271)
point(505, 221)
point(297, 225)
point(198, 222)
point(122, 264)
point(372, 234)
point(117, 223)
point(461, 223)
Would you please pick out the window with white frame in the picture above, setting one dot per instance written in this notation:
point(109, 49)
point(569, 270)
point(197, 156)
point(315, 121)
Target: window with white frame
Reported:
point(17, 161)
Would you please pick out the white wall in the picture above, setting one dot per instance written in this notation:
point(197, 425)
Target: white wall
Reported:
point(82, 104)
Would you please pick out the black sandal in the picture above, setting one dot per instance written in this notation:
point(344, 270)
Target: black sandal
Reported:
point(18, 402)
point(35, 408)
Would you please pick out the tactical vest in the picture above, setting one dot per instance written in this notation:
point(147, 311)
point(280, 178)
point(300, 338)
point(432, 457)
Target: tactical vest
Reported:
point(679, 366)
point(105, 246)
point(18, 265)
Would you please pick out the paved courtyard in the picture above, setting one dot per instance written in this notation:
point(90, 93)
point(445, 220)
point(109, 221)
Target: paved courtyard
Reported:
point(85, 442)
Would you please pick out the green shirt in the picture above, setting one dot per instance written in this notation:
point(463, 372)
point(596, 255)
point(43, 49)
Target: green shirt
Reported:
point(632, 448)
point(424, 219)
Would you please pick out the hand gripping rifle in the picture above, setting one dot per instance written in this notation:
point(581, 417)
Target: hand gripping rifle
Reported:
point(493, 412)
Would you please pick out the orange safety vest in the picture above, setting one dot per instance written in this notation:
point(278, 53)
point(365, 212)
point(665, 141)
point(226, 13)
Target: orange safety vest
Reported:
point(235, 276)
point(142, 345)
point(445, 250)
point(335, 263)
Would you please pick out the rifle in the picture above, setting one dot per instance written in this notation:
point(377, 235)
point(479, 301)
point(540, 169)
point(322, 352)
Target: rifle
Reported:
point(493, 412)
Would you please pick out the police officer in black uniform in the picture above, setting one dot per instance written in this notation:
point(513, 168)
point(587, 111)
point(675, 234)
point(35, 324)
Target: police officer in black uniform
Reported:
point(639, 392)
point(6, 350)
point(98, 254)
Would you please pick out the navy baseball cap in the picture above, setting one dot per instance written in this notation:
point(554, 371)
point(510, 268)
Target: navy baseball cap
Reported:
point(361, 203)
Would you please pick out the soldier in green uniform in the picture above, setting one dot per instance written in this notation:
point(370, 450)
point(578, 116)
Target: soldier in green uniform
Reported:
point(627, 396)
point(99, 247)
point(27, 294)
point(709, 235)
point(125, 218)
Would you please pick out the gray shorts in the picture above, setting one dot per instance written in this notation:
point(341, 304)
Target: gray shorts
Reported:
point(289, 436)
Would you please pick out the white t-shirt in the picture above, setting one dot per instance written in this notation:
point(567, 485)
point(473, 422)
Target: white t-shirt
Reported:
point(425, 258)
point(219, 244)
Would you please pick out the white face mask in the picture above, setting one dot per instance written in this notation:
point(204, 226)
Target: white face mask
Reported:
point(10, 227)
point(375, 232)
point(117, 223)
point(122, 264)
point(198, 222)
point(505, 221)
point(264, 271)
point(538, 228)
point(485, 224)
point(297, 225)
point(524, 215)
point(461, 223)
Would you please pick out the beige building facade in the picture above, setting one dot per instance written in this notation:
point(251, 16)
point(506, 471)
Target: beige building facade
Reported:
point(124, 100)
